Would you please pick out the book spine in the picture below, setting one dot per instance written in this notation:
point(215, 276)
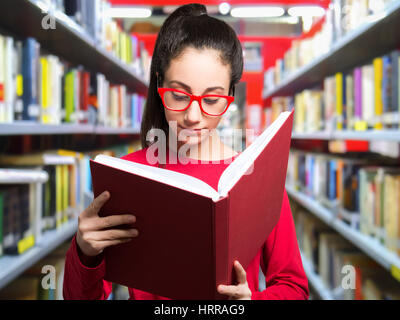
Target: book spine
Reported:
point(378, 70)
point(395, 56)
point(332, 180)
point(386, 84)
point(357, 94)
point(30, 77)
point(339, 101)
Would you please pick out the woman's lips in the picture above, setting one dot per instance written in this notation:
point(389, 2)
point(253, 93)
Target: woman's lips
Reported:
point(191, 131)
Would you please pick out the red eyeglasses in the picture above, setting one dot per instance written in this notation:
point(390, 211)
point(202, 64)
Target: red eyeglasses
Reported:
point(211, 104)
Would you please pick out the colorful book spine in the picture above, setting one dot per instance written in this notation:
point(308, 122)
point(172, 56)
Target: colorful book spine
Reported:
point(386, 84)
point(30, 71)
point(339, 100)
point(378, 74)
point(357, 96)
point(395, 86)
point(69, 96)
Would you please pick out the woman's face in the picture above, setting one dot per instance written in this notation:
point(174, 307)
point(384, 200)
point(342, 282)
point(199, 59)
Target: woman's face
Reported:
point(197, 72)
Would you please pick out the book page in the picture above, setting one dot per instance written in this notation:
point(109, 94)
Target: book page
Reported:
point(172, 178)
point(245, 160)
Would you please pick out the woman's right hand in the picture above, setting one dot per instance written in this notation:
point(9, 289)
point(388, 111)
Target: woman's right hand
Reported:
point(94, 233)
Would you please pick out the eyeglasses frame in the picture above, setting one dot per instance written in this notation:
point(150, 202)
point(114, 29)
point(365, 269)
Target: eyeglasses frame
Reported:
point(162, 91)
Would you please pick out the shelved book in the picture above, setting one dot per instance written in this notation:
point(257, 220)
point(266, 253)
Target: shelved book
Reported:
point(39, 87)
point(333, 258)
point(19, 203)
point(362, 193)
point(211, 227)
point(366, 97)
point(29, 286)
point(62, 193)
point(342, 17)
point(63, 177)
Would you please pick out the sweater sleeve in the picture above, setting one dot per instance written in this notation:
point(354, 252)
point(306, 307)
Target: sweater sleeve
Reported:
point(82, 282)
point(281, 262)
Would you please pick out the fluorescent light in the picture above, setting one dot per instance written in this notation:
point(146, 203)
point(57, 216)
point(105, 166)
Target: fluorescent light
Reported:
point(257, 12)
point(224, 8)
point(129, 12)
point(210, 9)
point(306, 11)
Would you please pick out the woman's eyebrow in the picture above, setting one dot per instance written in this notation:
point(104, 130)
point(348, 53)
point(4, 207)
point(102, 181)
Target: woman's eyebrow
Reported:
point(190, 90)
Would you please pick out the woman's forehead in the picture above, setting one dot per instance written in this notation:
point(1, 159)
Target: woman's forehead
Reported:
point(198, 66)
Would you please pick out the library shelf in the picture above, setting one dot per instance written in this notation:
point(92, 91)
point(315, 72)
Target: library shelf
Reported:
point(368, 135)
point(377, 36)
point(22, 176)
point(321, 135)
point(315, 280)
point(22, 128)
point(387, 259)
point(68, 40)
point(12, 266)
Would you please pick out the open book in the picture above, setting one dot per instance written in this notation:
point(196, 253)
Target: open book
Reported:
point(190, 233)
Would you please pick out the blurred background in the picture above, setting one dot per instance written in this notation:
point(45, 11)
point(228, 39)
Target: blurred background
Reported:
point(73, 82)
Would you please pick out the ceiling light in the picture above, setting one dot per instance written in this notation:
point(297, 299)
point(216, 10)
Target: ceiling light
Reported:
point(257, 12)
point(129, 12)
point(210, 9)
point(224, 8)
point(306, 11)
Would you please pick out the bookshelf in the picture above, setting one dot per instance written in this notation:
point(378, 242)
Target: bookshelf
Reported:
point(12, 266)
point(22, 128)
point(70, 42)
point(370, 246)
point(315, 280)
point(24, 18)
point(374, 38)
point(369, 135)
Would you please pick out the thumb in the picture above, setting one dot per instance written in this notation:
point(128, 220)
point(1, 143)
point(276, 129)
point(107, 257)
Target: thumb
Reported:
point(95, 206)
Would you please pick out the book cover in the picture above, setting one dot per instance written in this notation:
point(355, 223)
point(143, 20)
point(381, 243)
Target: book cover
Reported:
point(207, 231)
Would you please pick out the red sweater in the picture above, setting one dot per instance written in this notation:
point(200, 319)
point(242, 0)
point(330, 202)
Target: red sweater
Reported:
point(279, 257)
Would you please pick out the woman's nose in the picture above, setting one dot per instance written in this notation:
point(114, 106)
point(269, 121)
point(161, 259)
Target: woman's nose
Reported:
point(193, 113)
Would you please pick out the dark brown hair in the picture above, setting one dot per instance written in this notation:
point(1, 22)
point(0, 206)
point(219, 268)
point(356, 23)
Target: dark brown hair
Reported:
point(188, 25)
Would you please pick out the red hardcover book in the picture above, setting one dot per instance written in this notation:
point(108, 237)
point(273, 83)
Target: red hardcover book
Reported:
point(85, 85)
point(189, 233)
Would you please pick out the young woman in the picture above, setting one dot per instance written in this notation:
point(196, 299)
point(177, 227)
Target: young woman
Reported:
point(196, 63)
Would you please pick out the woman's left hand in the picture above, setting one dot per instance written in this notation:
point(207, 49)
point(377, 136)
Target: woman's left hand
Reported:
point(241, 291)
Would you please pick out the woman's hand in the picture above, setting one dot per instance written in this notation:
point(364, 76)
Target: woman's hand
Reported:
point(94, 235)
point(241, 291)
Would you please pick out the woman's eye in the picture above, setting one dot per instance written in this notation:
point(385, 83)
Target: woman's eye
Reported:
point(179, 96)
point(210, 101)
